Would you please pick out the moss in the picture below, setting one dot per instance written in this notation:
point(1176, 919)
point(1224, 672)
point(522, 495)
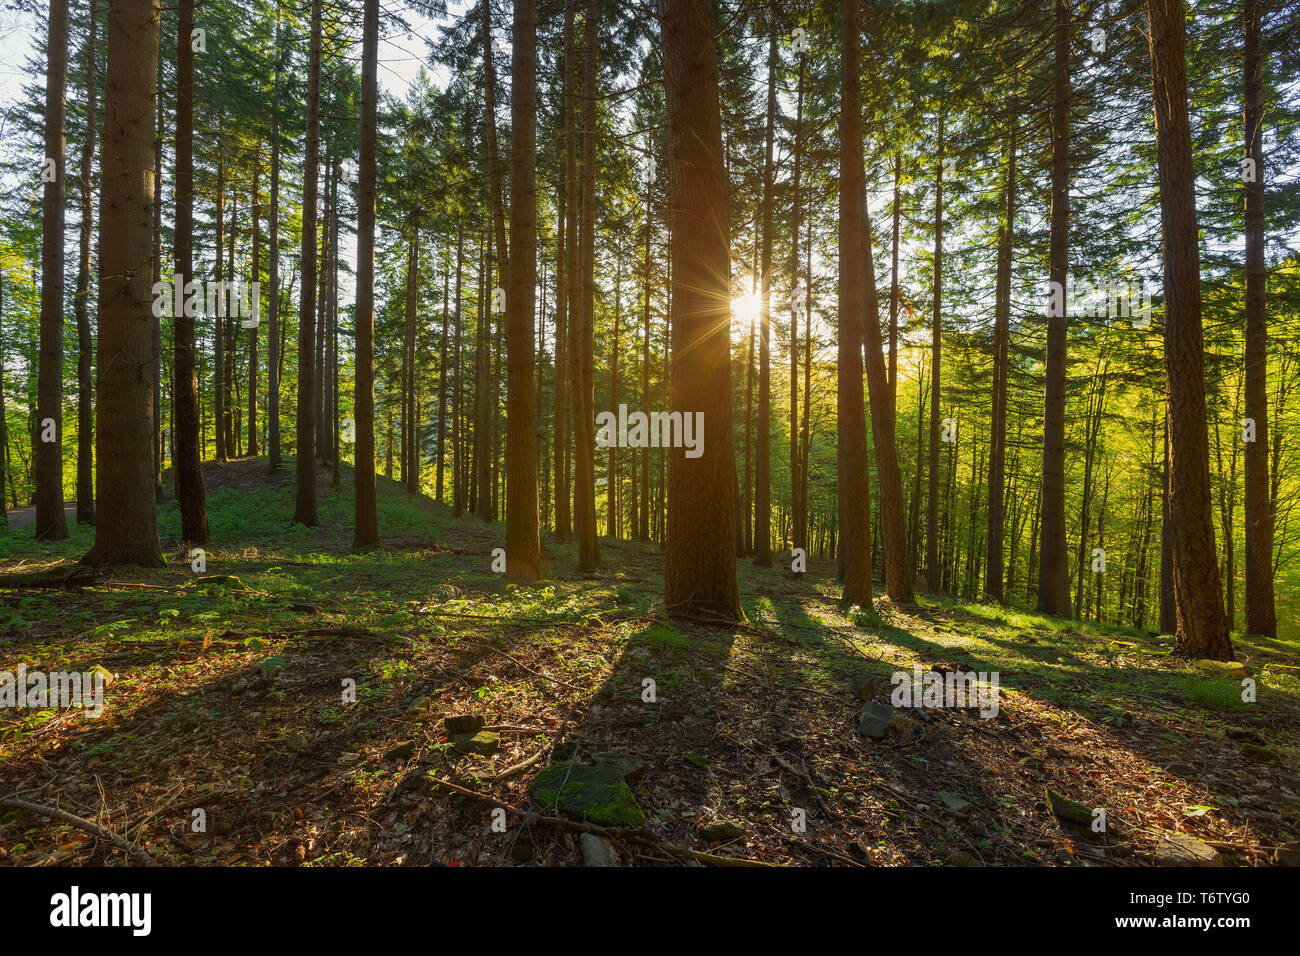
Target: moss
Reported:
point(595, 793)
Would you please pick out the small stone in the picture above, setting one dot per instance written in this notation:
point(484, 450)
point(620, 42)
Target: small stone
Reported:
point(628, 766)
point(724, 831)
point(1065, 857)
point(596, 851)
point(1032, 763)
point(483, 742)
point(874, 720)
point(401, 750)
point(1063, 808)
point(464, 724)
point(1178, 849)
point(1241, 733)
point(961, 858)
point(596, 792)
point(348, 759)
point(1256, 752)
point(421, 705)
point(864, 686)
point(1180, 770)
point(955, 803)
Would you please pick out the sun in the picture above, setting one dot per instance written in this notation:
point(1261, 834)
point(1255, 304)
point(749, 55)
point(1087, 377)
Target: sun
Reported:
point(747, 308)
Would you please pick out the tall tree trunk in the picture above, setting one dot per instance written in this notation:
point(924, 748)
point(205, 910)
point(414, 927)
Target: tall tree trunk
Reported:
point(187, 451)
point(1261, 616)
point(763, 462)
point(993, 573)
point(156, 371)
point(366, 517)
point(458, 471)
point(305, 485)
point(854, 489)
point(583, 343)
point(273, 274)
point(126, 522)
point(218, 323)
point(1198, 595)
point(256, 318)
point(932, 513)
point(699, 560)
point(1054, 566)
point(442, 377)
point(85, 340)
point(798, 523)
point(523, 535)
point(51, 524)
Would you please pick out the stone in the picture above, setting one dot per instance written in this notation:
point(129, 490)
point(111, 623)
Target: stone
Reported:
point(1065, 857)
point(723, 831)
point(864, 686)
point(593, 793)
point(1256, 752)
point(1179, 849)
point(1072, 811)
point(464, 724)
point(596, 851)
point(1032, 763)
point(961, 858)
point(1229, 669)
point(874, 720)
point(1241, 733)
point(420, 709)
point(1121, 851)
point(401, 750)
point(955, 803)
point(483, 742)
point(630, 767)
point(1180, 770)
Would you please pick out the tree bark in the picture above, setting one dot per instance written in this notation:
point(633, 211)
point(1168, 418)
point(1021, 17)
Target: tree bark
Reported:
point(305, 466)
point(993, 571)
point(366, 515)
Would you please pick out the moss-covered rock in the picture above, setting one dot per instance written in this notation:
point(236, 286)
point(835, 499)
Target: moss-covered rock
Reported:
point(483, 742)
point(1072, 811)
point(593, 793)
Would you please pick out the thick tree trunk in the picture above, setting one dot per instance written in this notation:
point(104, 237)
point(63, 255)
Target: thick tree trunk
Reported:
point(1261, 616)
point(47, 455)
point(523, 536)
point(932, 571)
point(763, 451)
point(126, 522)
point(1198, 594)
point(993, 573)
point(700, 563)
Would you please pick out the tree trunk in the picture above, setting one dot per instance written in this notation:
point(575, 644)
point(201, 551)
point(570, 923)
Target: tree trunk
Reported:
point(305, 485)
point(273, 275)
point(51, 525)
point(700, 563)
point(993, 573)
point(126, 522)
point(1054, 568)
point(1261, 616)
point(763, 453)
point(932, 512)
point(523, 536)
point(366, 516)
point(85, 340)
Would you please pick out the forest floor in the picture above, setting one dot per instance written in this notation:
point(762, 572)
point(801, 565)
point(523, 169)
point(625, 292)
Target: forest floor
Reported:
point(227, 698)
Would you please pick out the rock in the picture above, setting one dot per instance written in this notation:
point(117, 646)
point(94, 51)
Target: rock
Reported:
point(596, 793)
point(1063, 808)
point(1032, 763)
point(909, 728)
point(1121, 851)
point(1256, 752)
point(955, 803)
point(464, 724)
point(864, 686)
point(630, 767)
point(596, 851)
point(1180, 769)
point(1229, 669)
point(483, 742)
point(961, 858)
point(1241, 733)
point(1287, 855)
point(420, 709)
point(1178, 849)
point(724, 831)
point(348, 758)
point(401, 750)
point(874, 720)
point(1065, 857)
point(521, 852)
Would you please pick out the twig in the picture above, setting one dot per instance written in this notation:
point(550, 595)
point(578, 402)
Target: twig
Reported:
point(94, 829)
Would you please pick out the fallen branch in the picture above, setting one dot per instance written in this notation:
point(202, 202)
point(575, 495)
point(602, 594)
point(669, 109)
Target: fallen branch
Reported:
point(76, 576)
point(94, 829)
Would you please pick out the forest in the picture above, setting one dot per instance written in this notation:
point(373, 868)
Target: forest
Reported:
point(695, 433)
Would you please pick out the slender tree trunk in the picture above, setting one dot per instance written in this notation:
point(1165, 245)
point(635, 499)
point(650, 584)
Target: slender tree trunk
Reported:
point(126, 522)
point(305, 485)
point(256, 318)
point(993, 573)
point(854, 489)
point(763, 463)
point(187, 451)
point(51, 524)
point(273, 274)
point(700, 563)
point(85, 340)
point(1198, 594)
point(932, 514)
point(366, 519)
point(1261, 616)
point(1054, 567)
